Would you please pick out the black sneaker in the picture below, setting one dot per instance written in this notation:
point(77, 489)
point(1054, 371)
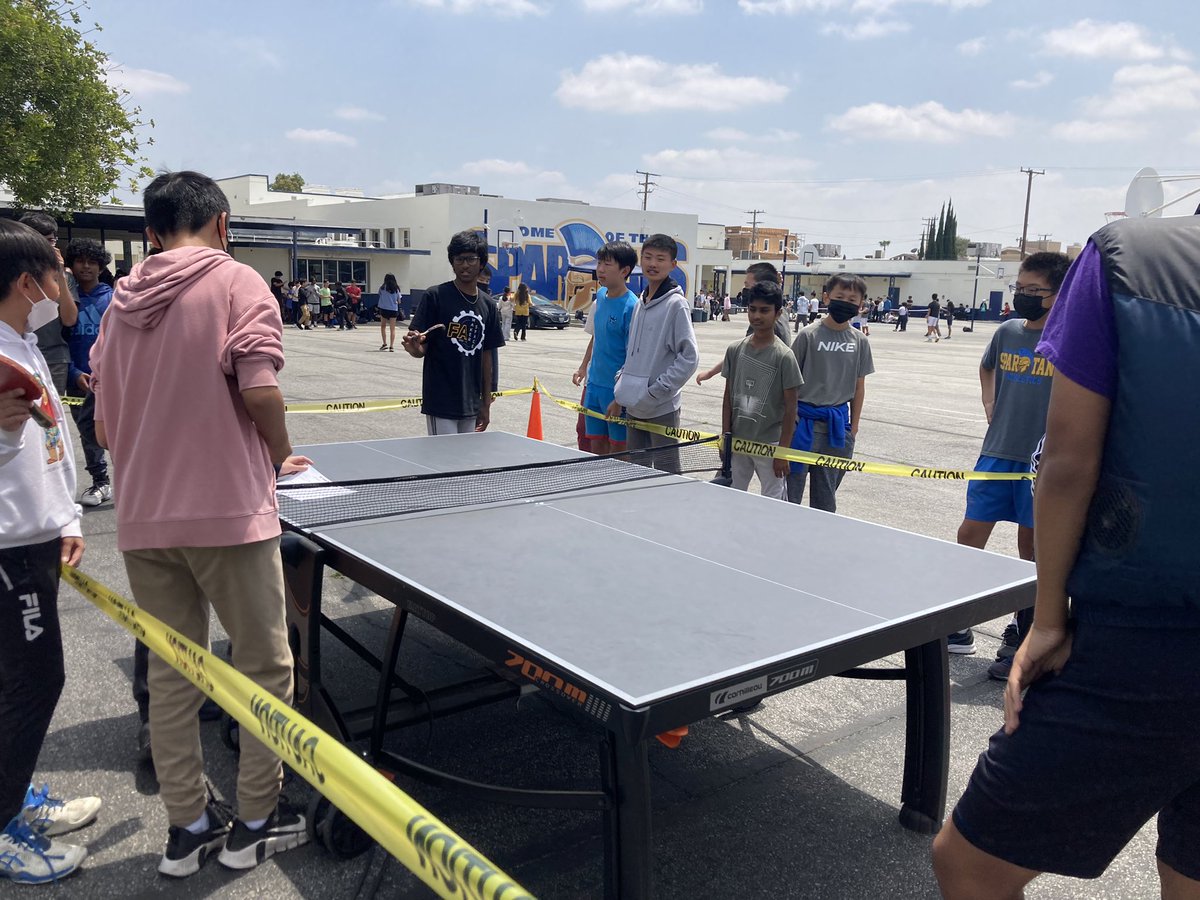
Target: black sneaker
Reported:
point(245, 849)
point(1010, 642)
point(961, 642)
point(185, 852)
point(999, 670)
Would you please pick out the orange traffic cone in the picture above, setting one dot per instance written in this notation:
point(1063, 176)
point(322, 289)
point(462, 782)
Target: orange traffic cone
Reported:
point(535, 416)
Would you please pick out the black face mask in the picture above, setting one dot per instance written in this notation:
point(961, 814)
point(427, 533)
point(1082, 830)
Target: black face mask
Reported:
point(842, 311)
point(1029, 307)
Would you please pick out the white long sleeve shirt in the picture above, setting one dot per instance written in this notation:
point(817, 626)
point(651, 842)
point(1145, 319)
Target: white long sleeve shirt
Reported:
point(37, 465)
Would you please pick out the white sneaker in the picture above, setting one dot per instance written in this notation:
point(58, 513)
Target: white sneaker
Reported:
point(928, 340)
point(49, 817)
point(27, 857)
point(96, 494)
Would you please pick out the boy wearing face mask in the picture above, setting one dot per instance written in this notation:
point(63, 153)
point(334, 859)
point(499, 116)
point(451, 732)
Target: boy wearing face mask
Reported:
point(835, 361)
point(1015, 379)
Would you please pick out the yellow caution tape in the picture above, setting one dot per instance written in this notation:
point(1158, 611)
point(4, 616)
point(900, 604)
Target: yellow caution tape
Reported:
point(71, 401)
point(769, 451)
point(343, 406)
point(450, 866)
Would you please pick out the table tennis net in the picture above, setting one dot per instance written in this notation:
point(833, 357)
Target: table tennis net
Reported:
point(318, 505)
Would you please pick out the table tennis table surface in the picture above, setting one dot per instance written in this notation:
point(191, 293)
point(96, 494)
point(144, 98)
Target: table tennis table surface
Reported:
point(655, 587)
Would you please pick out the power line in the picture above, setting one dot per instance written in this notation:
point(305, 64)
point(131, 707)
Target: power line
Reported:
point(647, 184)
point(754, 214)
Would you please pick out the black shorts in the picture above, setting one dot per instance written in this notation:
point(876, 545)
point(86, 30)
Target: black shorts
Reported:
point(1101, 748)
point(387, 313)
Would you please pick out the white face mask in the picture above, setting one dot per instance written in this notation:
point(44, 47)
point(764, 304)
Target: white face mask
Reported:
point(41, 312)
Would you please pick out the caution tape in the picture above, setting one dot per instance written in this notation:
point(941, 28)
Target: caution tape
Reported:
point(425, 845)
point(350, 406)
point(71, 401)
point(773, 451)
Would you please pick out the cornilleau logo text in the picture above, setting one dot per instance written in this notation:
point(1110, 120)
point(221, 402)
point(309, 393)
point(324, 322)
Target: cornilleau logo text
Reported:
point(737, 693)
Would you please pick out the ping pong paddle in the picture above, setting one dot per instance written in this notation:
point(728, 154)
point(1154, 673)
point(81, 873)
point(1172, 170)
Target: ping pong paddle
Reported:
point(13, 377)
point(725, 476)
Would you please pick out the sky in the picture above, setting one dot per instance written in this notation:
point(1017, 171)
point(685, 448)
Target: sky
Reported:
point(846, 121)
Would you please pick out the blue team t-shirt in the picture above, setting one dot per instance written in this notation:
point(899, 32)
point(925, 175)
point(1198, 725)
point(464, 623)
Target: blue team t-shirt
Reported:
point(610, 335)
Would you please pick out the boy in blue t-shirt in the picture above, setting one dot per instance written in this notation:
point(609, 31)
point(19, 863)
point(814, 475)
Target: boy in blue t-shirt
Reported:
point(605, 355)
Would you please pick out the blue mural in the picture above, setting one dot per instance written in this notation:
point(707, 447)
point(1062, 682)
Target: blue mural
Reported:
point(560, 263)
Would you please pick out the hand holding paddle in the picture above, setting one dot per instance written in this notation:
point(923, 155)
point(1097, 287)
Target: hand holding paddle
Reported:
point(414, 341)
point(19, 394)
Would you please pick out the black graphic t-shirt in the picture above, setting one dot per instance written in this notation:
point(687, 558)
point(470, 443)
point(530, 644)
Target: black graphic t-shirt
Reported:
point(451, 382)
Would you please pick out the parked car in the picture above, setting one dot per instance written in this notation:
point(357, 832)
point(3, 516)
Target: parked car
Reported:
point(547, 314)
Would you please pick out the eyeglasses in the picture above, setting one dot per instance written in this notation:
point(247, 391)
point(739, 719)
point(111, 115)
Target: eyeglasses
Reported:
point(1031, 291)
point(464, 260)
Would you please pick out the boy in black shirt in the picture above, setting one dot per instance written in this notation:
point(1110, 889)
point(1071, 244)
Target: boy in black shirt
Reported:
point(455, 328)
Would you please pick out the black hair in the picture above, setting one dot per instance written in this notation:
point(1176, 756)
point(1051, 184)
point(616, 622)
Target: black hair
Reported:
point(620, 253)
point(40, 222)
point(1052, 265)
point(847, 281)
point(183, 203)
point(764, 271)
point(935, 296)
point(86, 248)
point(467, 242)
point(23, 250)
point(278, 274)
point(389, 283)
point(766, 292)
point(522, 293)
point(662, 242)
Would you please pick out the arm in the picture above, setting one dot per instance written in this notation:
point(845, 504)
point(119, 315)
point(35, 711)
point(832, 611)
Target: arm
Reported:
point(790, 396)
point(708, 373)
point(856, 405)
point(1075, 428)
point(484, 416)
point(726, 412)
point(581, 373)
point(265, 406)
point(686, 356)
point(987, 382)
point(68, 309)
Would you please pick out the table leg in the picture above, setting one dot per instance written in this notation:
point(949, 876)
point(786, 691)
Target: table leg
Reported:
point(628, 839)
point(927, 737)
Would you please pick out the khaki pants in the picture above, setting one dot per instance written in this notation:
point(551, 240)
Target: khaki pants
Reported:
point(244, 585)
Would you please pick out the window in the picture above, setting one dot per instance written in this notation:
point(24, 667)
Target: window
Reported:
point(332, 270)
point(404, 237)
point(782, 243)
point(766, 244)
point(390, 234)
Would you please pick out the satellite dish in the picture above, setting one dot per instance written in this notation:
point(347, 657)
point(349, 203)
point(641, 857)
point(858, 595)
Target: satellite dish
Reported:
point(1145, 195)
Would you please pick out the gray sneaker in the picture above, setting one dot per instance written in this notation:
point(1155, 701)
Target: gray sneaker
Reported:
point(96, 494)
point(246, 848)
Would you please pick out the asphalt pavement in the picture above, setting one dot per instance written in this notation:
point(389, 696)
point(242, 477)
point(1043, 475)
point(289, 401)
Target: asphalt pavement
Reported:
point(798, 799)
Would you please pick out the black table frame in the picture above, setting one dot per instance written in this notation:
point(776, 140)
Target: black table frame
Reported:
point(624, 795)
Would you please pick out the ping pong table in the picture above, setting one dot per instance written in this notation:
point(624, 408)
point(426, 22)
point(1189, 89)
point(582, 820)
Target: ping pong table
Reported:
point(627, 626)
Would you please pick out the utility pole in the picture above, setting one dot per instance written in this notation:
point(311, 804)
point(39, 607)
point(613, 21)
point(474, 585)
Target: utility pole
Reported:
point(647, 184)
point(754, 214)
point(1028, 194)
point(926, 225)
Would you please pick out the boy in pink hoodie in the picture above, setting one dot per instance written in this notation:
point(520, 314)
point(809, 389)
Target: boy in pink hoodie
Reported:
point(188, 403)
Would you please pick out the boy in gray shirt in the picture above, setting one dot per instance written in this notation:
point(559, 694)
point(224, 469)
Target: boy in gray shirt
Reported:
point(761, 379)
point(835, 361)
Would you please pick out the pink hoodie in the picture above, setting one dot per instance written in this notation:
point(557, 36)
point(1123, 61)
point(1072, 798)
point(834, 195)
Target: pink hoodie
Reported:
point(187, 330)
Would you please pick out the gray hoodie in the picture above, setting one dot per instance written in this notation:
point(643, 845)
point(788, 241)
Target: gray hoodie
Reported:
point(661, 355)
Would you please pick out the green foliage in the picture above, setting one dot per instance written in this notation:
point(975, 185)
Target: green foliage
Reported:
point(293, 183)
point(67, 138)
point(960, 247)
point(942, 241)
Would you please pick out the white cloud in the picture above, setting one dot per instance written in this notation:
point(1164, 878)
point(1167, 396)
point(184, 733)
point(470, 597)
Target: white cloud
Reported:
point(1040, 80)
point(864, 7)
point(496, 167)
point(973, 47)
point(866, 29)
point(513, 8)
point(1083, 131)
point(647, 7)
point(788, 7)
point(929, 122)
point(257, 50)
point(622, 83)
point(726, 135)
point(1118, 41)
point(145, 81)
point(320, 136)
point(726, 163)
point(1146, 89)
point(1194, 137)
point(357, 114)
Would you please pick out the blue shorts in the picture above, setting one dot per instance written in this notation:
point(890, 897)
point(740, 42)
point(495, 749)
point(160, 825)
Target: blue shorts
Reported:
point(1000, 501)
point(1100, 748)
point(597, 399)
